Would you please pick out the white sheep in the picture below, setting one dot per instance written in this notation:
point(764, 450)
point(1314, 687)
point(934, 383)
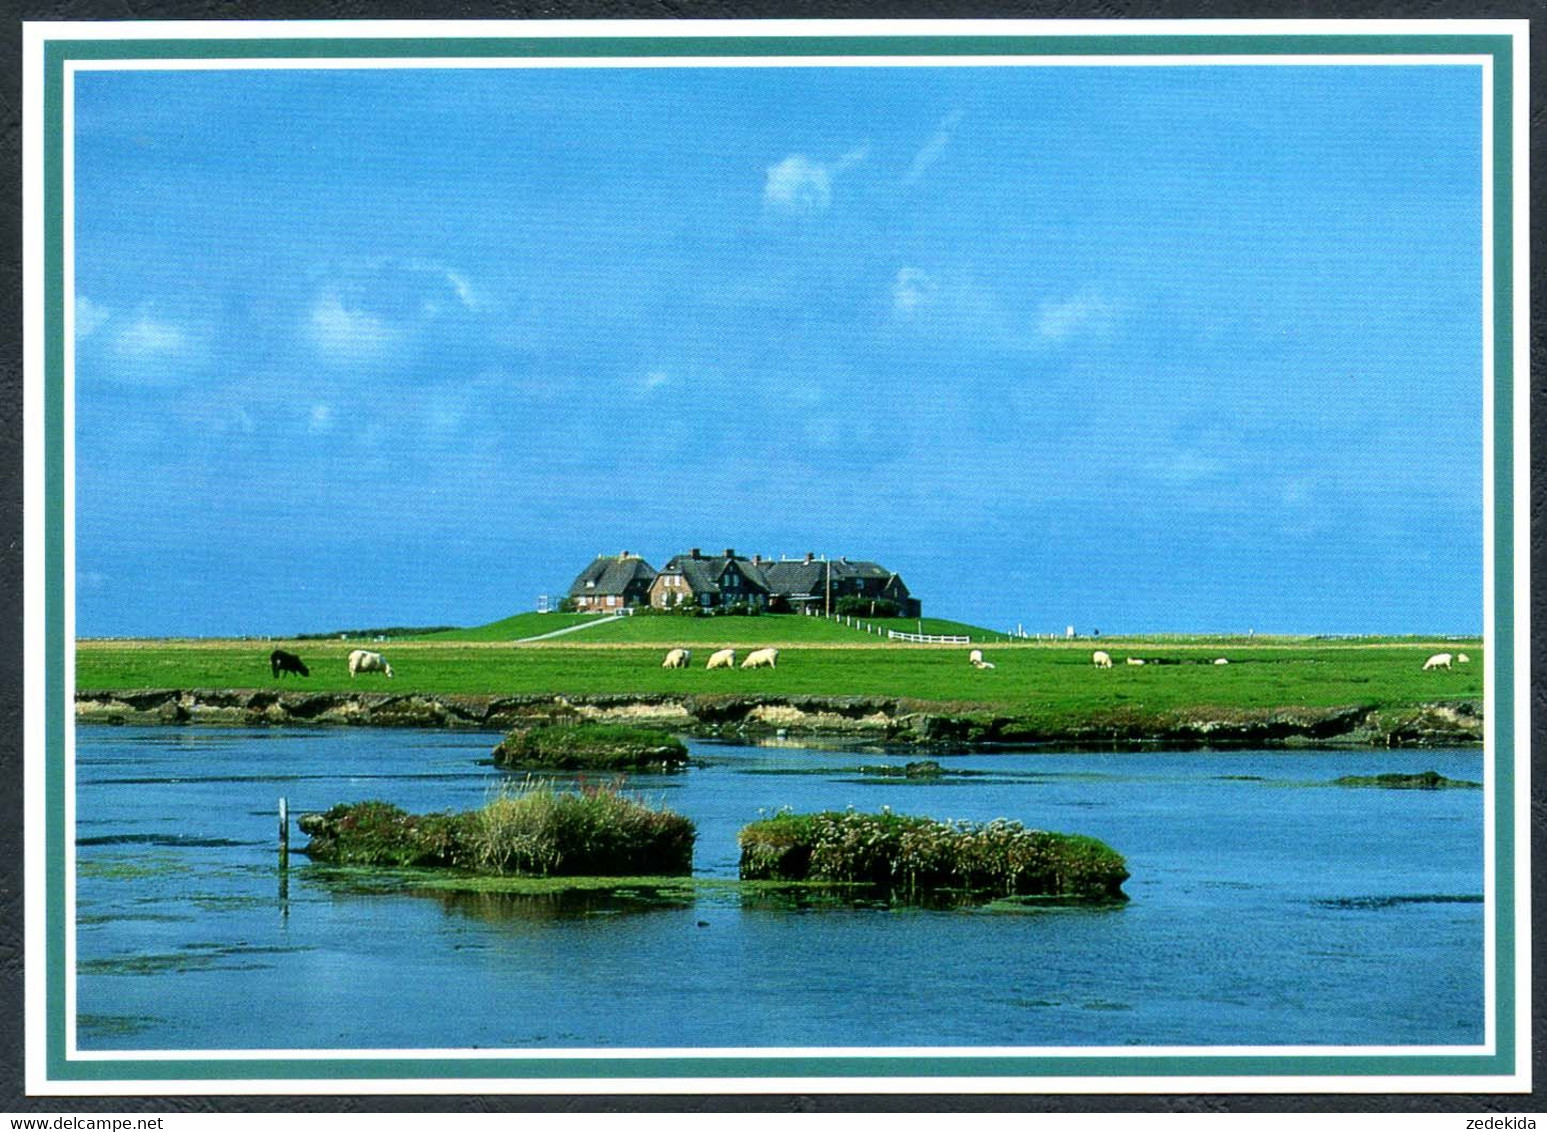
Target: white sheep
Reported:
point(678, 658)
point(725, 658)
point(1101, 659)
point(1135, 660)
point(1222, 660)
point(362, 661)
point(1438, 660)
point(762, 658)
point(975, 656)
point(980, 664)
point(1462, 658)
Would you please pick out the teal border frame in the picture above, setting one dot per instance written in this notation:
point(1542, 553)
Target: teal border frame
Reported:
point(1499, 623)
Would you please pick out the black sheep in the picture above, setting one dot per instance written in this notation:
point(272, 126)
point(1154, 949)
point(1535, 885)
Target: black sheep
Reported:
point(281, 662)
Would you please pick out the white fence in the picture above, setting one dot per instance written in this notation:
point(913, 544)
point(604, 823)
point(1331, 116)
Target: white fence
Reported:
point(926, 638)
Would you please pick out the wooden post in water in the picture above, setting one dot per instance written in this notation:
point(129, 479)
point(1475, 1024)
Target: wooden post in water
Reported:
point(284, 833)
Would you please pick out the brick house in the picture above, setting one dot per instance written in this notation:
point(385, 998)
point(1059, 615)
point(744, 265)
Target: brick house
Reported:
point(612, 583)
point(709, 581)
point(816, 584)
point(798, 585)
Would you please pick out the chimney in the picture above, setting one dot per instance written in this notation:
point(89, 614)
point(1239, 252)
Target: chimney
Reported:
point(810, 555)
point(757, 560)
point(844, 559)
point(696, 554)
point(730, 552)
point(624, 555)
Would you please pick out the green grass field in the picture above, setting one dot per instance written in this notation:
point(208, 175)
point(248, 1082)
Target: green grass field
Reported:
point(1030, 679)
point(691, 631)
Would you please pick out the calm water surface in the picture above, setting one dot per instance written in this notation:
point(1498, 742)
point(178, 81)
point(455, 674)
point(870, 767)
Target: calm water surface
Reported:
point(1267, 908)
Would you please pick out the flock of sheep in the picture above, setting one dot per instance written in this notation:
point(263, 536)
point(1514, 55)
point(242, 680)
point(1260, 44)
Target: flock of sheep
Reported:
point(362, 660)
point(765, 658)
point(724, 658)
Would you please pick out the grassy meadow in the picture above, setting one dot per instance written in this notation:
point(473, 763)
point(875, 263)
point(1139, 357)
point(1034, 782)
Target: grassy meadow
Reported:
point(818, 657)
point(769, 629)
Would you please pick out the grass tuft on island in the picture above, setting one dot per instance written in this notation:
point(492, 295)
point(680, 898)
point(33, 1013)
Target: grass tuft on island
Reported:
point(1425, 780)
point(912, 854)
point(531, 831)
point(589, 746)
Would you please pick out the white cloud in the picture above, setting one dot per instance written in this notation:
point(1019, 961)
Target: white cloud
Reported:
point(321, 418)
point(912, 289)
point(464, 290)
point(344, 334)
point(88, 316)
point(803, 186)
point(152, 339)
point(655, 379)
point(930, 152)
point(1087, 314)
point(461, 286)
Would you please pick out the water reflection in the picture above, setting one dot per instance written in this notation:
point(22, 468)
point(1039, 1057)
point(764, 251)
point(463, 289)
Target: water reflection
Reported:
point(517, 908)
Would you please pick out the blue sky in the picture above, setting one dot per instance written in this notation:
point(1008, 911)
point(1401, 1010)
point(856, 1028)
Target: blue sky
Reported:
point(1137, 349)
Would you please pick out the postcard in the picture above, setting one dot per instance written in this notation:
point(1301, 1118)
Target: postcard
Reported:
point(856, 556)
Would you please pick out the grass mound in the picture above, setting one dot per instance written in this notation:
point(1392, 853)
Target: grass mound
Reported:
point(533, 831)
point(379, 833)
point(589, 746)
point(916, 853)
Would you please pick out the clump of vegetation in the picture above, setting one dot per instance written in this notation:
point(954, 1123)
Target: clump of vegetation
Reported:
point(923, 768)
point(589, 746)
point(740, 609)
point(532, 831)
point(379, 833)
point(538, 831)
point(856, 606)
point(912, 854)
point(1426, 780)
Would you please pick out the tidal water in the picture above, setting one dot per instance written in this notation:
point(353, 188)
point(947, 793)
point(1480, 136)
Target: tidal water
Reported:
point(1266, 908)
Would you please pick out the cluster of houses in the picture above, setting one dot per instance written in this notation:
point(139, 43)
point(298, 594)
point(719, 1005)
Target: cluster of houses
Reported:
point(783, 585)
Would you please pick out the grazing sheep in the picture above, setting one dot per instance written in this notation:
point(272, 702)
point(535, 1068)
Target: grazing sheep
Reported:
point(281, 662)
point(1438, 660)
point(1134, 660)
point(725, 658)
point(1101, 659)
point(362, 661)
point(1462, 658)
point(678, 658)
point(975, 656)
point(1222, 660)
point(762, 658)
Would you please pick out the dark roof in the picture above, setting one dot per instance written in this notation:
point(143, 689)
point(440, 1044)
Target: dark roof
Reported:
point(860, 570)
point(788, 576)
point(798, 576)
point(794, 577)
point(705, 574)
point(751, 573)
point(611, 575)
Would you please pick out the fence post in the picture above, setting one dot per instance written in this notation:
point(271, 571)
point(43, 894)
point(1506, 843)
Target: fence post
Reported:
point(284, 833)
